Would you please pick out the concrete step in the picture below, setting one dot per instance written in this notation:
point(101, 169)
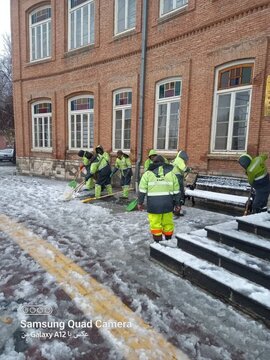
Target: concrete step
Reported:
point(228, 233)
point(240, 292)
point(258, 224)
point(231, 259)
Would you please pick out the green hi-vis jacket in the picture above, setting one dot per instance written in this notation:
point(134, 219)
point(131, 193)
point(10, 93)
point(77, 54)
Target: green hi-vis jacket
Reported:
point(161, 186)
point(122, 164)
point(179, 165)
point(257, 169)
point(100, 162)
point(85, 161)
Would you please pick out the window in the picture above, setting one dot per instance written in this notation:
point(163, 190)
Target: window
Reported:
point(81, 122)
point(42, 125)
point(81, 23)
point(167, 114)
point(232, 108)
point(122, 119)
point(40, 34)
point(125, 15)
point(167, 6)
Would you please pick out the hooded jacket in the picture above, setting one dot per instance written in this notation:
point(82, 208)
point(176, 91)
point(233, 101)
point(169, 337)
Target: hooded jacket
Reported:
point(161, 187)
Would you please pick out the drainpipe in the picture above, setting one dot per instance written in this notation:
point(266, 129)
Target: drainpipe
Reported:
point(141, 94)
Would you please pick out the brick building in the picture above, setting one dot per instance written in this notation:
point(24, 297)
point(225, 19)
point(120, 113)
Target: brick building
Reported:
point(82, 77)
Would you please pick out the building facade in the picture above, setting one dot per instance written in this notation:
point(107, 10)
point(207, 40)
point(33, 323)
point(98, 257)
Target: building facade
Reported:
point(78, 75)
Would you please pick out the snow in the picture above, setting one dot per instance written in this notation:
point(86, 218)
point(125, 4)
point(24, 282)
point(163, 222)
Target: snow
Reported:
point(113, 247)
point(199, 238)
point(237, 283)
point(220, 197)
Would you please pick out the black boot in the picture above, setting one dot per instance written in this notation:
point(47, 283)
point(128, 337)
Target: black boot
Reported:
point(157, 238)
point(168, 237)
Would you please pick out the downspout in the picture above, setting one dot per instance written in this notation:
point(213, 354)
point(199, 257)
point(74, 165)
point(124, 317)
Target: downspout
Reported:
point(141, 94)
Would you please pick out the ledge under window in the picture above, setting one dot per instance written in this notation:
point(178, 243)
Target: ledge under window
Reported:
point(79, 50)
point(45, 150)
point(224, 156)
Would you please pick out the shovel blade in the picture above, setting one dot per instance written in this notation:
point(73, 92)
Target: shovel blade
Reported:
point(132, 205)
point(72, 184)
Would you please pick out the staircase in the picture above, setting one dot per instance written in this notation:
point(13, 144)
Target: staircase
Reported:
point(229, 260)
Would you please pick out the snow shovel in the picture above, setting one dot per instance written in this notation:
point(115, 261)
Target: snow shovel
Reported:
point(73, 183)
point(132, 205)
point(70, 193)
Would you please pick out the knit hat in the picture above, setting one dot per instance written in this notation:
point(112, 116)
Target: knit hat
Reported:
point(81, 153)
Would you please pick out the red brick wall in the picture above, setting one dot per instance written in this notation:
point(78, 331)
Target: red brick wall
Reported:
point(189, 44)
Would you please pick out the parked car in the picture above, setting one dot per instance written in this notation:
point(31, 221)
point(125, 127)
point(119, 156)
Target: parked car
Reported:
point(7, 154)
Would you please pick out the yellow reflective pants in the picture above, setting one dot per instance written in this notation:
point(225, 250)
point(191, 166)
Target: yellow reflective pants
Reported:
point(161, 223)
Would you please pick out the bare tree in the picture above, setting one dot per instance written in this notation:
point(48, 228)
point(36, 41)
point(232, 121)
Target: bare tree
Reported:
point(6, 95)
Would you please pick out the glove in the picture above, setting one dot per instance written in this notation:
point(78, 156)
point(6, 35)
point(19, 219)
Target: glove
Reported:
point(188, 169)
point(81, 167)
point(140, 207)
point(177, 210)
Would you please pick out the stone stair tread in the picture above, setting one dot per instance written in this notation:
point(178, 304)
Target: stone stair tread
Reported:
point(230, 228)
point(199, 238)
point(214, 196)
point(261, 219)
point(238, 284)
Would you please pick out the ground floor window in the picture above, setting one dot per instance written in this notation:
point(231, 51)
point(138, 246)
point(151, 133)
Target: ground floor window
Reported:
point(81, 122)
point(168, 100)
point(42, 125)
point(122, 119)
point(232, 108)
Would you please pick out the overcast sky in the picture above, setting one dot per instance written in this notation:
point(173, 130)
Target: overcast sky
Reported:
point(5, 20)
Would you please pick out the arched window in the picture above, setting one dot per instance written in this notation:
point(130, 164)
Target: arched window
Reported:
point(232, 107)
point(42, 125)
point(81, 122)
point(81, 23)
point(168, 100)
point(40, 33)
point(122, 104)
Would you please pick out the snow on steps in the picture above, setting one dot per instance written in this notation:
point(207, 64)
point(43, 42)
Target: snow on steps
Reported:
point(209, 259)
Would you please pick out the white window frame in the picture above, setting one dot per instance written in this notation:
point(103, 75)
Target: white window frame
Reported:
point(116, 31)
point(123, 108)
point(35, 117)
point(40, 24)
point(174, 9)
point(232, 91)
point(80, 112)
point(167, 101)
point(76, 10)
